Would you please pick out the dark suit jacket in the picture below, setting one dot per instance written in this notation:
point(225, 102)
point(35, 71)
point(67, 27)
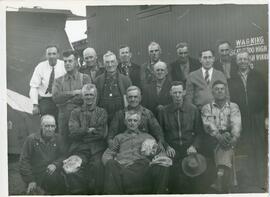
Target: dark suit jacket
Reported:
point(197, 90)
point(234, 68)
point(256, 98)
point(150, 98)
point(134, 74)
point(176, 72)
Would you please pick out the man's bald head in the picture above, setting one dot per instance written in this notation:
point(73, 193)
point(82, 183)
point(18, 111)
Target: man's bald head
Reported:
point(90, 56)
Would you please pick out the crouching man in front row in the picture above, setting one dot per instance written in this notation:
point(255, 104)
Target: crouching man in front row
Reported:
point(127, 165)
point(41, 160)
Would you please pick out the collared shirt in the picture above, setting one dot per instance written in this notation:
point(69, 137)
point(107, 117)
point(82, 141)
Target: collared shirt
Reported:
point(210, 71)
point(40, 79)
point(149, 123)
point(147, 73)
point(126, 147)
point(63, 85)
point(185, 67)
point(227, 69)
point(227, 118)
point(37, 154)
point(244, 76)
point(85, 117)
point(111, 88)
point(124, 68)
point(92, 73)
point(159, 86)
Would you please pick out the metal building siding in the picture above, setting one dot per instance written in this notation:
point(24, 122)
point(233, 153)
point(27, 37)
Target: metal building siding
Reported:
point(200, 25)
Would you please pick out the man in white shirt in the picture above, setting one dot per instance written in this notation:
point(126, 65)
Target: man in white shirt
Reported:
point(42, 81)
point(199, 82)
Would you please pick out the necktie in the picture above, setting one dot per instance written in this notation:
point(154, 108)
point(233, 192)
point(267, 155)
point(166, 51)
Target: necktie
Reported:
point(49, 89)
point(207, 77)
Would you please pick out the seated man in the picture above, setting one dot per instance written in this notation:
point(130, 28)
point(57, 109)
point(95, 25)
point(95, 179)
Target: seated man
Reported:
point(222, 123)
point(182, 126)
point(88, 129)
point(148, 123)
point(127, 169)
point(41, 160)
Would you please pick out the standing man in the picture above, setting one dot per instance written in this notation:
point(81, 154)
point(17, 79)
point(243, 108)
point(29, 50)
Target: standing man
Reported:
point(199, 82)
point(157, 94)
point(67, 92)
point(111, 86)
point(147, 70)
point(88, 130)
point(185, 64)
point(148, 123)
point(42, 81)
point(91, 66)
point(222, 124)
point(182, 126)
point(128, 68)
point(249, 91)
point(226, 63)
point(41, 160)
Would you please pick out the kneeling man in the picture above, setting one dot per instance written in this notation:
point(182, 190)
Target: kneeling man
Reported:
point(41, 160)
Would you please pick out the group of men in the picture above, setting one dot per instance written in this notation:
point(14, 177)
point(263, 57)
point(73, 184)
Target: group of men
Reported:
point(122, 128)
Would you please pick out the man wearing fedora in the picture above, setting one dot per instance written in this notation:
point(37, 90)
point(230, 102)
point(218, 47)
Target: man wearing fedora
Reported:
point(181, 124)
point(222, 124)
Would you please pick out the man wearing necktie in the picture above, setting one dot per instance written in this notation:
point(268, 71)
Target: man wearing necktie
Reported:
point(128, 68)
point(199, 82)
point(42, 81)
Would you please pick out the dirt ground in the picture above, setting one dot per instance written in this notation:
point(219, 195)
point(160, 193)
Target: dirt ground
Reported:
point(17, 186)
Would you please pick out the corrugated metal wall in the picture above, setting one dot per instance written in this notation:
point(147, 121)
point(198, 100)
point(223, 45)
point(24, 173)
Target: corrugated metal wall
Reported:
point(200, 25)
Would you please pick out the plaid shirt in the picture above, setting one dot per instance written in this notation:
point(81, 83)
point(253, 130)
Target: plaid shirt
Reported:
point(126, 147)
point(216, 119)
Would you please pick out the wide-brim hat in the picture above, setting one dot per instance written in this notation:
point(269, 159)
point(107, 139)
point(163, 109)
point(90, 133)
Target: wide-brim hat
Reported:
point(194, 165)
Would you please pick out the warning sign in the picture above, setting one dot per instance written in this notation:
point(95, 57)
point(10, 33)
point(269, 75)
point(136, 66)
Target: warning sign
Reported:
point(256, 47)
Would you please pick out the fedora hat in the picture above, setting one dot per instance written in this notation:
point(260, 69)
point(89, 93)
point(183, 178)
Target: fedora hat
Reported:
point(194, 165)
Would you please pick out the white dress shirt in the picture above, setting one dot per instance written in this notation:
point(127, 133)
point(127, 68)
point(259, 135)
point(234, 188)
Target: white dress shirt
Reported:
point(210, 71)
point(40, 79)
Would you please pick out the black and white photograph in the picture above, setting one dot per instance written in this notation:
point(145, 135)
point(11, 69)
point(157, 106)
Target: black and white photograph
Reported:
point(137, 98)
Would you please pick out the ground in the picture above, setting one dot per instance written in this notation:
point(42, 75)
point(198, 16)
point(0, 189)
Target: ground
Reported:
point(17, 186)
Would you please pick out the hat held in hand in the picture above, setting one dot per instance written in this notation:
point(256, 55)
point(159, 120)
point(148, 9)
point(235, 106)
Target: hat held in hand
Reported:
point(72, 164)
point(194, 165)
